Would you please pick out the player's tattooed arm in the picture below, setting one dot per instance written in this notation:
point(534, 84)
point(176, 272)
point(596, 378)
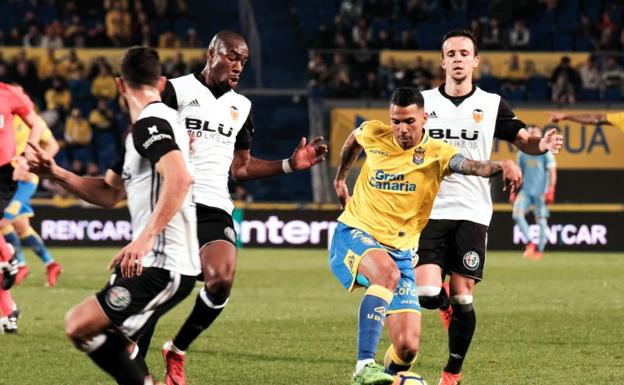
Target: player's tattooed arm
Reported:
point(348, 156)
point(512, 175)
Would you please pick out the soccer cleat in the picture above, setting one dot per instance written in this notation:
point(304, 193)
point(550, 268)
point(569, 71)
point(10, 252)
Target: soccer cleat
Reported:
point(529, 250)
point(537, 256)
point(450, 379)
point(22, 273)
point(174, 362)
point(446, 314)
point(372, 374)
point(9, 323)
point(53, 270)
point(9, 273)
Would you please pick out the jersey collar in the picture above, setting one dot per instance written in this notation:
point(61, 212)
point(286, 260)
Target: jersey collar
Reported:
point(217, 92)
point(457, 100)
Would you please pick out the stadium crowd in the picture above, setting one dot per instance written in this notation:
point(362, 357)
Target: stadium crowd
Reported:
point(346, 60)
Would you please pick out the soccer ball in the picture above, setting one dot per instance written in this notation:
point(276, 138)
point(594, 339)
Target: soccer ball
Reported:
point(408, 378)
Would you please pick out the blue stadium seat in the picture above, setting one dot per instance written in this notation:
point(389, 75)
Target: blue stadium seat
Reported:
point(588, 95)
point(489, 83)
point(563, 42)
point(537, 88)
point(612, 95)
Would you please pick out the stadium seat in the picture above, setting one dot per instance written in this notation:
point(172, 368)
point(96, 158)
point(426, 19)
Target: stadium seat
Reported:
point(537, 88)
point(489, 83)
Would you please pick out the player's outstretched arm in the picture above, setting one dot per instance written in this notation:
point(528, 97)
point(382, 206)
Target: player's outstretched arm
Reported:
point(305, 155)
point(534, 145)
point(512, 175)
point(349, 154)
point(556, 117)
point(176, 183)
point(101, 191)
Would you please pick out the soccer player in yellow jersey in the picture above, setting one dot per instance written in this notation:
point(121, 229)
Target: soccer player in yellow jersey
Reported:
point(372, 246)
point(15, 224)
point(615, 119)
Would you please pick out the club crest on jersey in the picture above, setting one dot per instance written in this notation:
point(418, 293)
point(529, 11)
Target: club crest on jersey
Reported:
point(471, 260)
point(118, 298)
point(234, 113)
point(477, 115)
point(419, 155)
point(367, 241)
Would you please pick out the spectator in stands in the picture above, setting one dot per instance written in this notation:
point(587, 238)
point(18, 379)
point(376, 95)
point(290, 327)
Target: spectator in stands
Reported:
point(612, 75)
point(104, 139)
point(53, 37)
point(475, 28)
point(78, 138)
point(386, 75)
point(350, 9)
point(519, 36)
point(73, 62)
point(168, 40)
point(173, 68)
point(32, 38)
point(76, 33)
point(339, 64)
point(58, 97)
point(492, 36)
point(369, 88)
point(192, 39)
point(103, 86)
point(415, 12)
point(563, 90)
point(238, 192)
point(340, 85)
point(513, 76)
point(142, 33)
point(361, 31)
point(118, 24)
point(97, 36)
point(586, 33)
point(383, 39)
point(417, 75)
point(607, 24)
point(30, 20)
point(405, 41)
point(341, 27)
point(49, 65)
point(22, 71)
point(14, 38)
point(571, 75)
point(590, 77)
point(316, 68)
point(4, 72)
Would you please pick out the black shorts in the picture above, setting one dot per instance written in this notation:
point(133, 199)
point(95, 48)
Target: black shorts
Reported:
point(7, 186)
point(456, 246)
point(214, 224)
point(134, 303)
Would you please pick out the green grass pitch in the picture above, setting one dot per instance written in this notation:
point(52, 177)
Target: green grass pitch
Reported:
point(556, 321)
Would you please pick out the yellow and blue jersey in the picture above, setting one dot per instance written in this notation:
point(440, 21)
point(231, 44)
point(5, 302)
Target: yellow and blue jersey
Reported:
point(535, 172)
point(394, 193)
point(22, 131)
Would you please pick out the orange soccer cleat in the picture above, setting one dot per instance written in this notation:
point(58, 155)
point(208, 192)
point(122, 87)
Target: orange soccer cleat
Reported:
point(450, 379)
point(446, 314)
point(22, 273)
point(53, 270)
point(174, 372)
point(529, 250)
point(537, 256)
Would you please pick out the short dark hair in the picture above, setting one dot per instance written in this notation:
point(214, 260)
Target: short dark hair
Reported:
point(406, 96)
point(461, 33)
point(140, 66)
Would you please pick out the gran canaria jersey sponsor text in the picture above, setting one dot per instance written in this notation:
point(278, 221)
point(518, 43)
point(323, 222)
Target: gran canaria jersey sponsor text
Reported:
point(394, 182)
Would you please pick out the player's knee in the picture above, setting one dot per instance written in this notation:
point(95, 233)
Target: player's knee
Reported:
point(406, 347)
point(74, 329)
point(462, 304)
point(393, 278)
point(517, 216)
point(430, 297)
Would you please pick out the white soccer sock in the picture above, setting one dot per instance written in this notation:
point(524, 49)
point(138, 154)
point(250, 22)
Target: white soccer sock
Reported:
point(362, 363)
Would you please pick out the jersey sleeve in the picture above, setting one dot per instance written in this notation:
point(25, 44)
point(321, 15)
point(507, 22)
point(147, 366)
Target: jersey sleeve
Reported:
point(550, 160)
point(21, 105)
point(507, 123)
point(617, 119)
point(169, 96)
point(153, 137)
point(447, 153)
point(363, 134)
point(244, 136)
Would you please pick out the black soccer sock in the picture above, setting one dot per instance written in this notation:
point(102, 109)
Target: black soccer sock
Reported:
point(113, 357)
point(146, 338)
point(438, 301)
point(203, 315)
point(460, 333)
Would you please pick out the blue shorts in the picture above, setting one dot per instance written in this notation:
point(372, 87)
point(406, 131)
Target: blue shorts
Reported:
point(523, 201)
point(349, 245)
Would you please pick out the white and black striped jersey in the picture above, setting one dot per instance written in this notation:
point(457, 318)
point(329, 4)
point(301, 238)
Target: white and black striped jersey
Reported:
point(470, 123)
point(220, 123)
point(155, 133)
